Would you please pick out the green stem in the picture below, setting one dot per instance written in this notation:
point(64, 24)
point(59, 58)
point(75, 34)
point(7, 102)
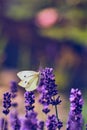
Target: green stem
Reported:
point(56, 111)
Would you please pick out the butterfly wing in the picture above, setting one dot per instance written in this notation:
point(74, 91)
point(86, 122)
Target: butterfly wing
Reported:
point(29, 79)
point(24, 83)
point(32, 84)
point(24, 74)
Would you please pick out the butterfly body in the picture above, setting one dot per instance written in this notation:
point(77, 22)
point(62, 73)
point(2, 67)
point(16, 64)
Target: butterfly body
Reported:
point(29, 79)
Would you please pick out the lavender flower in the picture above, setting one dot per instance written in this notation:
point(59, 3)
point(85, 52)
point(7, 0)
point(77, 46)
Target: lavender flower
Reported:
point(86, 126)
point(13, 89)
point(3, 124)
point(47, 88)
point(30, 123)
point(49, 95)
point(6, 102)
point(60, 124)
point(46, 109)
point(52, 123)
point(75, 120)
point(15, 121)
point(41, 125)
point(29, 101)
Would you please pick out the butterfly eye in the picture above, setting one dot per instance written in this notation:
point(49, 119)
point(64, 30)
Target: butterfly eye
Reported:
point(25, 81)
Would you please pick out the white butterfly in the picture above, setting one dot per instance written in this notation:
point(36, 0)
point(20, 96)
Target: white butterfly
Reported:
point(29, 79)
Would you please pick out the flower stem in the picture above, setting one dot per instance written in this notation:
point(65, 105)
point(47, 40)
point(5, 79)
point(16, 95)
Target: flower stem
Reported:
point(56, 111)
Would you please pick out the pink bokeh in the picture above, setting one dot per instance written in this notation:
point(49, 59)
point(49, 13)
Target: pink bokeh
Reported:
point(47, 18)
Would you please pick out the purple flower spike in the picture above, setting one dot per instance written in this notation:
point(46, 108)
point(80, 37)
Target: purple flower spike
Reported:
point(15, 121)
point(3, 124)
point(52, 123)
point(30, 123)
point(49, 95)
point(75, 121)
point(41, 125)
point(86, 126)
point(6, 102)
point(46, 109)
point(14, 89)
point(47, 87)
point(29, 101)
point(56, 101)
point(60, 124)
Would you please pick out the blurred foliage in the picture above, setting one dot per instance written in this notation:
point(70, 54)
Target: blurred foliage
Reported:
point(21, 9)
point(75, 26)
point(84, 112)
point(67, 32)
point(73, 12)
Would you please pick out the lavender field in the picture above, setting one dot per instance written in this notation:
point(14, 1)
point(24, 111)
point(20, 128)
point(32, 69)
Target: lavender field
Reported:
point(40, 110)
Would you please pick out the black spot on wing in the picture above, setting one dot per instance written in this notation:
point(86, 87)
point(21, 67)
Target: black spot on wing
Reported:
point(25, 81)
